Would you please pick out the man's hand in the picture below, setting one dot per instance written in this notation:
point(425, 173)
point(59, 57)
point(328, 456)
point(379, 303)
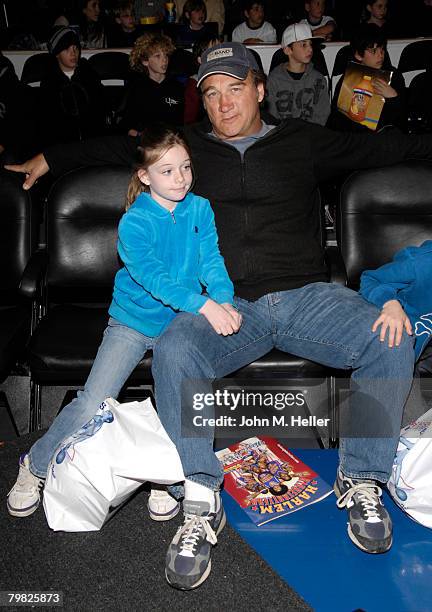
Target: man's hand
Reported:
point(394, 319)
point(34, 168)
point(224, 321)
point(381, 88)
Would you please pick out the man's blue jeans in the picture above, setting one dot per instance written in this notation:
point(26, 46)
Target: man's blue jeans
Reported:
point(323, 322)
point(121, 350)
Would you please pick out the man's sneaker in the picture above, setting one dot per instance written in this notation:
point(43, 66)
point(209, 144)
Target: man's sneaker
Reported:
point(188, 560)
point(24, 497)
point(161, 505)
point(369, 523)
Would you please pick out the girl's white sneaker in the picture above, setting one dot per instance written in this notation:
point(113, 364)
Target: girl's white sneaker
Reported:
point(161, 505)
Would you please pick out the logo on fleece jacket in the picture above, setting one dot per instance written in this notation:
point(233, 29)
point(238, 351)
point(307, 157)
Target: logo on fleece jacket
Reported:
point(424, 326)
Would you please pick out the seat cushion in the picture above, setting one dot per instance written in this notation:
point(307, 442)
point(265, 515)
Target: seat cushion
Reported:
point(277, 364)
point(65, 343)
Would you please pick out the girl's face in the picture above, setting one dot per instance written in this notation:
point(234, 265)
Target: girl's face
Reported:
point(196, 18)
point(169, 178)
point(157, 65)
point(92, 10)
point(68, 58)
point(378, 9)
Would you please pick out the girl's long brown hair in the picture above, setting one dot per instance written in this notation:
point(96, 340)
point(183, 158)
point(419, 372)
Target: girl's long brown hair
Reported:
point(154, 142)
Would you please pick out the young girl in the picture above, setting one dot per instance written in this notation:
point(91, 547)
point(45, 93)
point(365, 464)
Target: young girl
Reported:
point(169, 247)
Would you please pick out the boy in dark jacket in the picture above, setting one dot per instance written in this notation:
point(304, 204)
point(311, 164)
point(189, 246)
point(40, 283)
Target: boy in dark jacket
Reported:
point(71, 93)
point(368, 46)
point(152, 95)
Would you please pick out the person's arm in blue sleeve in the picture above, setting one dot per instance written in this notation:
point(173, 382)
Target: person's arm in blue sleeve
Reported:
point(384, 284)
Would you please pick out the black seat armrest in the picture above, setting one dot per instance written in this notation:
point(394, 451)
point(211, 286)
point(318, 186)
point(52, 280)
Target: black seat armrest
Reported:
point(33, 274)
point(335, 265)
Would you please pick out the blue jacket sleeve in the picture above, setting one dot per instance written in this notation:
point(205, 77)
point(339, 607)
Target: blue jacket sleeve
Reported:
point(135, 246)
point(212, 272)
point(384, 284)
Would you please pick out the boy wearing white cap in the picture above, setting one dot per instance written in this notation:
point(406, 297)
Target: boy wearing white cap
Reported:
point(295, 89)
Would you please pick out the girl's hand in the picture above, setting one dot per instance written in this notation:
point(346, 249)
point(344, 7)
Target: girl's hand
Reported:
point(394, 319)
point(223, 321)
point(235, 313)
point(381, 88)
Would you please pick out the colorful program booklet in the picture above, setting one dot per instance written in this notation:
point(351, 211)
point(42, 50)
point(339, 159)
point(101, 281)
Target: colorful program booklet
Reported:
point(356, 97)
point(268, 481)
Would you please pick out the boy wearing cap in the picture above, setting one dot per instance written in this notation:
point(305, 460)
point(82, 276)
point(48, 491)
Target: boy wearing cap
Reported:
point(71, 92)
point(254, 29)
point(263, 182)
point(295, 89)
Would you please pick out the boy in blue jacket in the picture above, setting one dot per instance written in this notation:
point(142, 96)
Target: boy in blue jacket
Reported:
point(403, 290)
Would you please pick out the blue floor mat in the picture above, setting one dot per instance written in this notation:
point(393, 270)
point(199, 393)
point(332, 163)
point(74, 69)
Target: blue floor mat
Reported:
point(311, 551)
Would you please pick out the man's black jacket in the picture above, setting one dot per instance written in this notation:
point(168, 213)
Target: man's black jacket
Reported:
point(267, 204)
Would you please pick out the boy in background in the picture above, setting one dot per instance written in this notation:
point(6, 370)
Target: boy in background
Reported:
point(153, 95)
point(125, 30)
point(72, 96)
point(320, 24)
point(295, 89)
point(368, 46)
point(254, 29)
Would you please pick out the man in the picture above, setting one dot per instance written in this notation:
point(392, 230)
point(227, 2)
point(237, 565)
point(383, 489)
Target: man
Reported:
point(262, 182)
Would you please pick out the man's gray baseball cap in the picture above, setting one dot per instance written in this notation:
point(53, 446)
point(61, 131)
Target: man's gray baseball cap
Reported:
point(230, 58)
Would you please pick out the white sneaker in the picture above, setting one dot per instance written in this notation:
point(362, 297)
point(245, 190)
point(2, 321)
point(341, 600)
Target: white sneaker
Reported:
point(161, 505)
point(24, 497)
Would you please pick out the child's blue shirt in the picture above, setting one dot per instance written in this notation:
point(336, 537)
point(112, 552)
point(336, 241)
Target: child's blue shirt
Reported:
point(168, 258)
point(408, 279)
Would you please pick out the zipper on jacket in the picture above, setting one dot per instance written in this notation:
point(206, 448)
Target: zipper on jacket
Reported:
point(248, 252)
point(172, 215)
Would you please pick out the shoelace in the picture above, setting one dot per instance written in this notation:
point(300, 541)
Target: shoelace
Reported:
point(368, 496)
point(192, 529)
point(27, 480)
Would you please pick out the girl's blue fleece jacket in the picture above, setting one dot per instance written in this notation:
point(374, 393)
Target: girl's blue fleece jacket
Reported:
point(168, 258)
point(408, 279)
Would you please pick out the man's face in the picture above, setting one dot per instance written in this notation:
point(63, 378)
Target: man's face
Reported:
point(373, 57)
point(232, 105)
point(301, 51)
point(315, 8)
point(68, 58)
point(255, 15)
point(157, 65)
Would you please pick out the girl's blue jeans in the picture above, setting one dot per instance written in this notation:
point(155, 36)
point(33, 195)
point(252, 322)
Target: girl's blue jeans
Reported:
point(121, 350)
point(323, 322)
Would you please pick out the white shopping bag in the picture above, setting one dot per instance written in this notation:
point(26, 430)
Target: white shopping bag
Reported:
point(410, 482)
point(96, 470)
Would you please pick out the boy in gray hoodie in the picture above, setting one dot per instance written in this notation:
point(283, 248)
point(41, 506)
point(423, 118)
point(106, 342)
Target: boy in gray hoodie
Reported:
point(295, 89)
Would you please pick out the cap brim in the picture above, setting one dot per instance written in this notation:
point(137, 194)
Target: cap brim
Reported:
point(240, 73)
